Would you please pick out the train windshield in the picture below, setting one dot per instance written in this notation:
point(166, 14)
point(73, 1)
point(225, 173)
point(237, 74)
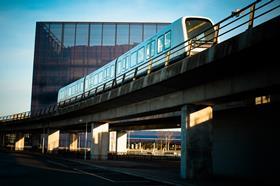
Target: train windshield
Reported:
point(200, 30)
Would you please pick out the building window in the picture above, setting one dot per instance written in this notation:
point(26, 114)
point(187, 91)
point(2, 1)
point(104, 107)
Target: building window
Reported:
point(56, 31)
point(149, 30)
point(82, 35)
point(95, 34)
point(122, 34)
point(69, 35)
point(109, 34)
point(135, 34)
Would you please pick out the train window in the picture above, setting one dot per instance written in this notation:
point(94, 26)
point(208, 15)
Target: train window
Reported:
point(107, 72)
point(100, 77)
point(103, 74)
point(124, 64)
point(112, 71)
point(127, 62)
point(160, 44)
point(141, 55)
point(167, 40)
point(91, 80)
point(202, 27)
point(133, 59)
point(81, 86)
point(153, 44)
point(148, 50)
point(95, 79)
point(119, 67)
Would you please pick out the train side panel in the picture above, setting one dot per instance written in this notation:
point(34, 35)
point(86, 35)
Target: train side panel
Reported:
point(105, 74)
point(72, 90)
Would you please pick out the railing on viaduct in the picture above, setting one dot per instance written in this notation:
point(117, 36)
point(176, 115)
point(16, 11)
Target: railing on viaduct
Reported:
point(238, 21)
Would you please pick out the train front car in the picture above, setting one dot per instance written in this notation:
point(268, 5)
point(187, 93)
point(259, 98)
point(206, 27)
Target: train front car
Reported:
point(70, 91)
point(200, 34)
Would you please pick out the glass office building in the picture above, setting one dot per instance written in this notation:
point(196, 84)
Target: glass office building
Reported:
point(67, 51)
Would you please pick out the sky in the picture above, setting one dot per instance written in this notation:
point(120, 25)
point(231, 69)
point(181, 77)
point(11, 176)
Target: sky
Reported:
point(17, 31)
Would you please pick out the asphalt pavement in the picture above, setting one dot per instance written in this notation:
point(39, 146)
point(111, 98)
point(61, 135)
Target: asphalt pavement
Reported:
point(28, 169)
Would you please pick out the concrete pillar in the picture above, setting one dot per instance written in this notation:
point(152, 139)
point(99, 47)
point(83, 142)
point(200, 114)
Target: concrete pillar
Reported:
point(73, 145)
point(35, 140)
point(121, 142)
point(19, 143)
point(44, 142)
point(2, 139)
point(53, 140)
point(185, 124)
point(100, 141)
point(113, 142)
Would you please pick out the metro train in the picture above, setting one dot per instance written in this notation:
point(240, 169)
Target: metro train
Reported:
point(198, 29)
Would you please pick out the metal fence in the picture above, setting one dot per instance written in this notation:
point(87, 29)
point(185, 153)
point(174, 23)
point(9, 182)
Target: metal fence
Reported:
point(237, 22)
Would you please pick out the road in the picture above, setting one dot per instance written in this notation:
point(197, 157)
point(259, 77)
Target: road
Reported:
point(30, 169)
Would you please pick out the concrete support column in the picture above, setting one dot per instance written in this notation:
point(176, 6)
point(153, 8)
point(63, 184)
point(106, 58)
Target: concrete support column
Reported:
point(113, 142)
point(185, 124)
point(73, 145)
point(19, 143)
point(2, 139)
point(121, 142)
point(53, 140)
point(100, 141)
point(35, 141)
point(44, 141)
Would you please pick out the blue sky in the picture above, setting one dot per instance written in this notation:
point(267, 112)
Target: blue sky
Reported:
point(17, 31)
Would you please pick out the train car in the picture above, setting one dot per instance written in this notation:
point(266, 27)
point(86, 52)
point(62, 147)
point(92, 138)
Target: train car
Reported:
point(72, 90)
point(155, 50)
point(172, 42)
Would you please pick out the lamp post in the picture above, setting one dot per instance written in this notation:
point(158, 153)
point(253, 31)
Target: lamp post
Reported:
point(85, 155)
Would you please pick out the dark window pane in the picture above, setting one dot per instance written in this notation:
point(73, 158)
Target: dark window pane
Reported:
point(135, 34)
point(167, 40)
point(122, 34)
point(69, 35)
point(95, 34)
point(149, 30)
point(56, 31)
point(82, 34)
point(108, 34)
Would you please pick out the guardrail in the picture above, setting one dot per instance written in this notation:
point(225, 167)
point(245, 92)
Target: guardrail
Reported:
point(238, 21)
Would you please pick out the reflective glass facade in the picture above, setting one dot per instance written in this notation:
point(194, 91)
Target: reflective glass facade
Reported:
point(67, 51)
